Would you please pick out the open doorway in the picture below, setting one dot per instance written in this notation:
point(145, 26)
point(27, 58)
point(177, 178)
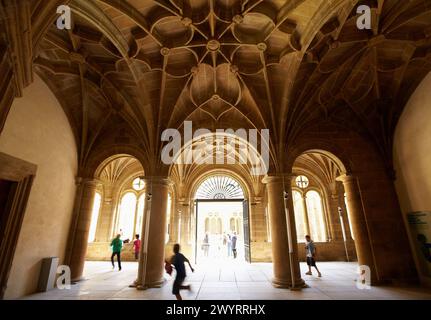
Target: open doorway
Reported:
point(222, 221)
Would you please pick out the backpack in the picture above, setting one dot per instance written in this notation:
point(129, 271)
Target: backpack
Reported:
point(168, 268)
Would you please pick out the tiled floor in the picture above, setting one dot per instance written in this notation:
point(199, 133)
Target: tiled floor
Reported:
point(229, 281)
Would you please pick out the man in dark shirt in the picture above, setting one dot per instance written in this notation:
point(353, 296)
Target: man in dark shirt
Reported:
point(178, 260)
point(234, 240)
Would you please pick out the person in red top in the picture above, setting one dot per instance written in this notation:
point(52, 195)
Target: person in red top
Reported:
point(137, 246)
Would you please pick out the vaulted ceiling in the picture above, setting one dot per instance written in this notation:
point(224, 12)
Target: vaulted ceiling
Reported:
point(132, 68)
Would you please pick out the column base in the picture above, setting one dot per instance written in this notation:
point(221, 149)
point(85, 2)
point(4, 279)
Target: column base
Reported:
point(287, 284)
point(154, 284)
point(77, 279)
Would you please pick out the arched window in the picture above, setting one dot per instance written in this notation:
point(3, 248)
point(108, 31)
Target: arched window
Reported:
point(232, 225)
point(302, 182)
point(219, 187)
point(315, 216)
point(348, 216)
point(219, 226)
point(207, 225)
point(298, 206)
point(268, 225)
point(127, 215)
point(168, 218)
point(94, 217)
point(140, 217)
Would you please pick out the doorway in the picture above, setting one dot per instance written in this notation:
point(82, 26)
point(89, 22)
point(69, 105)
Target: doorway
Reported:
point(16, 179)
point(222, 228)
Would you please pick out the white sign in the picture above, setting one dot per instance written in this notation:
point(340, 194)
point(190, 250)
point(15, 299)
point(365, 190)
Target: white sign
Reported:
point(420, 227)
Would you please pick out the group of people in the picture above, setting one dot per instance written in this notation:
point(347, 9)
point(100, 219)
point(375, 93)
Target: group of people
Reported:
point(178, 260)
point(226, 241)
point(117, 247)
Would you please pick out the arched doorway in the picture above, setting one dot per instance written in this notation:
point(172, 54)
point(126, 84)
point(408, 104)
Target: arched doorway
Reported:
point(118, 207)
point(222, 220)
point(320, 206)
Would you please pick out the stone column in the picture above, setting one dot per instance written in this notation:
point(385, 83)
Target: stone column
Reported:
point(151, 259)
point(83, 211)
point(359, 224)
point(281, 258)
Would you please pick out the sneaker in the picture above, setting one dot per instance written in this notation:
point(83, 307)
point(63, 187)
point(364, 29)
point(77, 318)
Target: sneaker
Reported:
point(308, 273)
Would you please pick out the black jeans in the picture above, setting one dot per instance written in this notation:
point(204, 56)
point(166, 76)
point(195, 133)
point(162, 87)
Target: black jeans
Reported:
point(118, 254)
point(234, 253)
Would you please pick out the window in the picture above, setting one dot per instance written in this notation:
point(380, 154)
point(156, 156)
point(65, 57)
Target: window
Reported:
point(207, 225)
point(232, 225)
point(138, 184)
point(219, 226)
point(127, 216)
point(268, 225)
point(315, 216)
point(168, 218)
point(220, 187)
point(298, 206)
point(94, 217)
point(140, 217)
point(302, 182)
point(348, 216)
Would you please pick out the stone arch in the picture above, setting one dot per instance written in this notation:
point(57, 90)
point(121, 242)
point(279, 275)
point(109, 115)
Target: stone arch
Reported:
point(339, 156)
point(223, 172)
point(107, 154)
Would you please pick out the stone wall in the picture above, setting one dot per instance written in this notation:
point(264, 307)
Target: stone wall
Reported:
point(412, 159)
point(101, 251)
point(260, 251)
point(37, 131)
point(326, 251)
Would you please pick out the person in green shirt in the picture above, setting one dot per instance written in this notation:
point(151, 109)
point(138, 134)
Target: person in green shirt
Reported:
point(117, 245)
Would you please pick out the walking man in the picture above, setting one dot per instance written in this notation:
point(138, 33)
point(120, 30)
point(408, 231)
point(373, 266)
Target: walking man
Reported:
point(206, 245)
point(229, 245)
point(179, 260)
point(310, 250)
point(116, 245)
point(233, 244)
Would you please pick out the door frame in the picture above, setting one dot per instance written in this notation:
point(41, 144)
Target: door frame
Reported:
point(246, 227)
point(21, 173)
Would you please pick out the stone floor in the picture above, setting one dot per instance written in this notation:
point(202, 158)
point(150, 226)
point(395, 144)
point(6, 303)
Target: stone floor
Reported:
point(227, 280)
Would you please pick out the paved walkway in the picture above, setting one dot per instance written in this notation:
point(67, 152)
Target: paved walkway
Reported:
point(227, 280)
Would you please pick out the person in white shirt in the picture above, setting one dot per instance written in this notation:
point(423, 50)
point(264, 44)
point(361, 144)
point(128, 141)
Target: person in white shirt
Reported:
point(310, 250)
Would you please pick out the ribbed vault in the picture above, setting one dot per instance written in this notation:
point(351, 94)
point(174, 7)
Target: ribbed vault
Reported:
point(130, 69)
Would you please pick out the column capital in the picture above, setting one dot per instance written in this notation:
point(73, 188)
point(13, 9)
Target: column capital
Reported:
point(184, 201)
point(158, 180)
point(346, 178)
point(87, 181)
point(278, 178)
point(256, 200)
